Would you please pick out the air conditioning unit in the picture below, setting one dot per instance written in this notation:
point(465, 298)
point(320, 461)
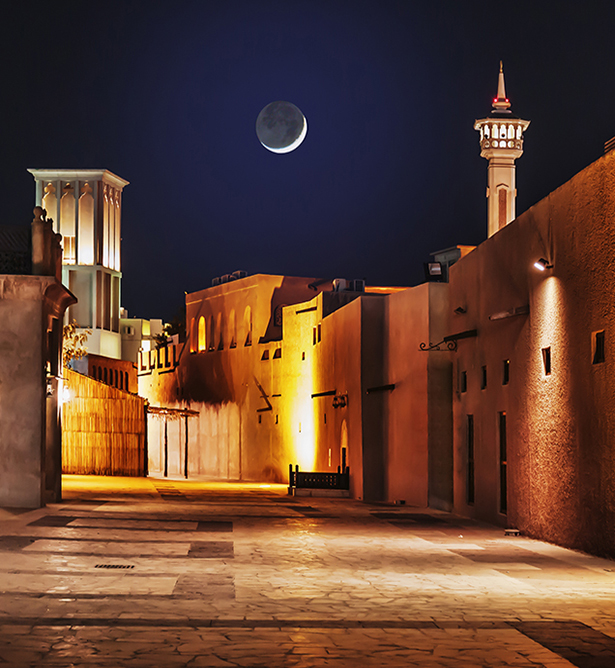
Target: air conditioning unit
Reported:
point(215, 281)
point(339, 284)
point(240, 273)
point(357, 285)
point(225, 278)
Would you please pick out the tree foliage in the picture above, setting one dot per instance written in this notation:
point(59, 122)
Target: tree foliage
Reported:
point(73, 342)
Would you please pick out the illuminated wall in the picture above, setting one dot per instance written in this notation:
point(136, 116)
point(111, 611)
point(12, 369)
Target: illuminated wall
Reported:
point(554, 402)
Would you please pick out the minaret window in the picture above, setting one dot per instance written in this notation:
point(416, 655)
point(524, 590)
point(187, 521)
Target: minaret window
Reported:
point(486, 129)
point(86, 226)
point(519, 132)
point(502, 132)
point(511, 131)
point(502, 207)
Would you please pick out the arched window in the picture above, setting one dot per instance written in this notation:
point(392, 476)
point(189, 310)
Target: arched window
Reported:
point(518, 132)
point(494, 132)
point(502, 132)
point(511, 131)
point(220, 328)
point(100, 373)
point(485, 129)
point(50, 204)
point(192, 335)
point(202, 339)
point(86, 226)
point(93, 374)
point(105, 375)
point(67, 224)
point(232, 330)
point(247, 324)
point(115, 380)
point(121, 380)
point(212, 333)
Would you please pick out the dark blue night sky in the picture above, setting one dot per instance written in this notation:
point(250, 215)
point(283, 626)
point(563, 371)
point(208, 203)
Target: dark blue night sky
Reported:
point(166, 95)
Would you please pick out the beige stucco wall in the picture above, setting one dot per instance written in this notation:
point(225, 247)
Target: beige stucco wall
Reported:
point(419, 410)
point(560, 427)
point(23, 321)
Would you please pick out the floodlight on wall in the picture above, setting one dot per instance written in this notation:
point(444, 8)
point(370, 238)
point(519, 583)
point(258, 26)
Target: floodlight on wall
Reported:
point(542, 264)
point(434, 268)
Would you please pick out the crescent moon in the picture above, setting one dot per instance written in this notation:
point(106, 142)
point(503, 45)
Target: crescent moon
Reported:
point(294, 145)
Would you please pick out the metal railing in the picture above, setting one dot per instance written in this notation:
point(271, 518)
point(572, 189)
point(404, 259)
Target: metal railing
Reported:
point(318, 480)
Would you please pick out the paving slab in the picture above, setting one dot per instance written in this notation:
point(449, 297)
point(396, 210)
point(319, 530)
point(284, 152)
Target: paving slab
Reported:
point(145, 572)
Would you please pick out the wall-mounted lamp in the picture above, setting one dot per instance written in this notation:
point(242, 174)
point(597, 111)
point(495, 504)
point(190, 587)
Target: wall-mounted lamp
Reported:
point(542, 264)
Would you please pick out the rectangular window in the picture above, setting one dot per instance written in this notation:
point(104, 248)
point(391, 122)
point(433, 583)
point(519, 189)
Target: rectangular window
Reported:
point(503, 471)
point(506, 372)
point(546, 360)
point(106, 302)
point(313, 336)
point(319, 332)
point(483, 381)
point(99, 300)
point(470, 454)
point(464, 381)
point(598, 346)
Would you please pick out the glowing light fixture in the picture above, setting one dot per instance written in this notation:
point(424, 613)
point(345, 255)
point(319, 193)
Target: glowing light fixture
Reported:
point(542, 264)
point(66, 395)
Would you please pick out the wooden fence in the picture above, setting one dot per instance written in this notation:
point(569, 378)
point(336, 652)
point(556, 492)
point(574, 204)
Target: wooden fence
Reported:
point(103, 429)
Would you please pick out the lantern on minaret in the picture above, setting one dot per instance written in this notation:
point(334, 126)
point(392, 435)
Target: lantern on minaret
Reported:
point(501, 142)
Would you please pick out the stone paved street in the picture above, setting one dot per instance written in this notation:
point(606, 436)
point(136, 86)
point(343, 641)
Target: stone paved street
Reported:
point(145, 572)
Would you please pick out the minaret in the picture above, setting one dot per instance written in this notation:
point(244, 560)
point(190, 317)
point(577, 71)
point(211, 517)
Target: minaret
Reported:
point(501, 142)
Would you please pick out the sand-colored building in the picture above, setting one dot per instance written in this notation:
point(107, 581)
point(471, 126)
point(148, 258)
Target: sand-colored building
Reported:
point(32, 306)
point(533, 390)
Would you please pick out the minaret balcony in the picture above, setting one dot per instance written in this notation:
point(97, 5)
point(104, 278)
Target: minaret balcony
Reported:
point(516, 144)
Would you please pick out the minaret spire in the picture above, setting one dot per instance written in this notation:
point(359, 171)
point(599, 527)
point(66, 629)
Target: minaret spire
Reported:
point(501, 142)
point(501, 102)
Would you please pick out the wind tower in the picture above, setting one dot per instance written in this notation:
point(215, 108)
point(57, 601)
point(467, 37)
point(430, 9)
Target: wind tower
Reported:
point(85, 205)
point(501, 142)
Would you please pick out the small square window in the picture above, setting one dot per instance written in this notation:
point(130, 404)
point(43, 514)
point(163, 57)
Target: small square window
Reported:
point(464, 381)
point(277, 353)
point(506, 372)
point(483, 381)
point(546, 360)
point(598, 347)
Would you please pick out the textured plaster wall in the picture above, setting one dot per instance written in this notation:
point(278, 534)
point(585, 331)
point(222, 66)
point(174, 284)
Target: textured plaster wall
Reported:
point(419, 412)
point(238, 432)
point(22, 391)
point(560, 427)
